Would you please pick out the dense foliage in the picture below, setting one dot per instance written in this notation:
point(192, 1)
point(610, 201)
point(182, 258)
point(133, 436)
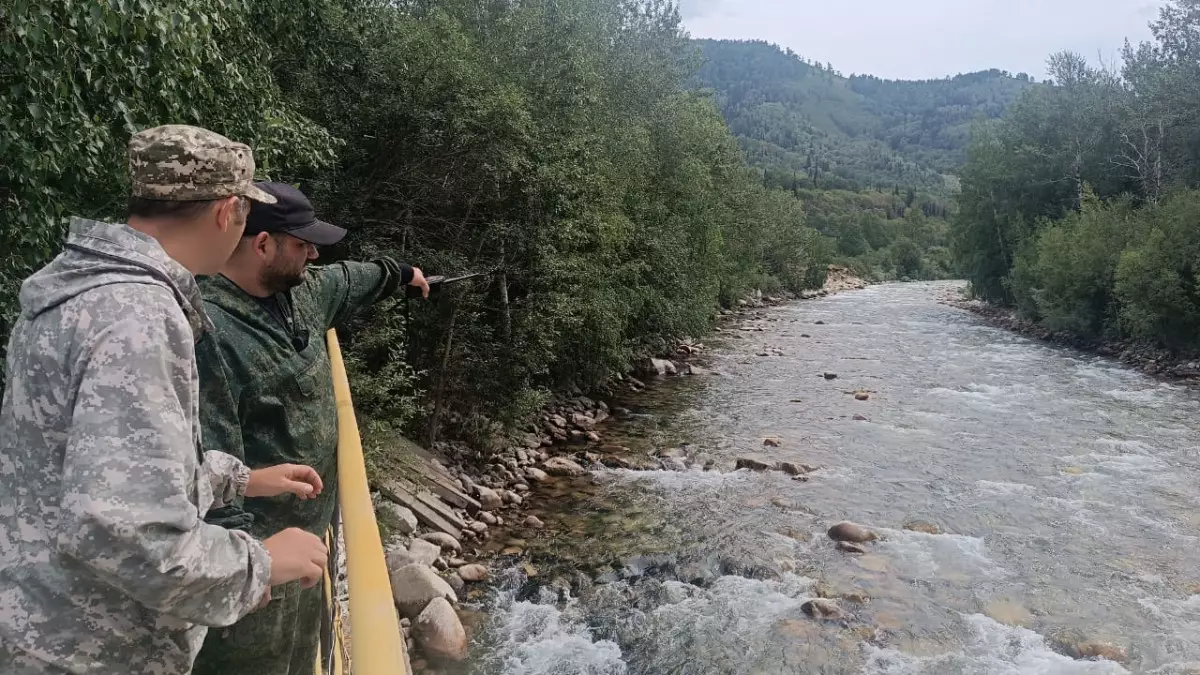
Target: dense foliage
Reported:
point(803, 119)
point(555, 145)
point(1079, 206)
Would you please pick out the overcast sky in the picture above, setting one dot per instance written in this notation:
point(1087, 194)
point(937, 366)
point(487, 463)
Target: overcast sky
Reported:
point(914, 39)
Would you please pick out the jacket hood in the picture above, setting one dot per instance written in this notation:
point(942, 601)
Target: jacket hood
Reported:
point(98, 254)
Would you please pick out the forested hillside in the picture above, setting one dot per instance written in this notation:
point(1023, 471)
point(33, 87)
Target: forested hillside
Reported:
point(1080, 206)
point(557, 145)
point(806, 121)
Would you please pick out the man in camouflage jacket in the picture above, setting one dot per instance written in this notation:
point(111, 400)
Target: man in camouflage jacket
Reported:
point(106, 564)
point(267, 393)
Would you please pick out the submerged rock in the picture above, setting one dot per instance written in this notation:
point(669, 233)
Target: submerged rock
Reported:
point(847, 531)
point(850, 547)
point(823, 608)
point(831, 376)
point(534, 522)
point(861, 396)
point(922, 526)
point(772, 442)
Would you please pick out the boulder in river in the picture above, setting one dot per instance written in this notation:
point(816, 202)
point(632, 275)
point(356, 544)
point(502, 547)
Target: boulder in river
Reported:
point(752, 464)
point(823, 608)
point(440, 632)
point(847, 531)
point(673, 464)
point(795, 469)
point(772, 442)
point(830, 376)
point(534, 522)
point(561, 466)
point(415, 586)
point(536, 475)
point(860, 418)
point(861, 396)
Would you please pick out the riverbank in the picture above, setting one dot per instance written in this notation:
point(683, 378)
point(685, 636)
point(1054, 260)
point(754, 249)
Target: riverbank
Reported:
point(479, 510)
point(1149, 358)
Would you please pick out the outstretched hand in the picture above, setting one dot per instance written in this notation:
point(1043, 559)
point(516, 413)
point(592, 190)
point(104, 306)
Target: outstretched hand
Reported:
point(420, 282)
point(296, 479)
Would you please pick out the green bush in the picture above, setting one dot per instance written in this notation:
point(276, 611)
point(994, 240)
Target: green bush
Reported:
point(1156, 279)
point(1067, 277)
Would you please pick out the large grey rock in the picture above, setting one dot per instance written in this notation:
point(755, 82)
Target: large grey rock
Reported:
point(561, 466)
point(415, 586)
point(424, 552)
point(439, 631)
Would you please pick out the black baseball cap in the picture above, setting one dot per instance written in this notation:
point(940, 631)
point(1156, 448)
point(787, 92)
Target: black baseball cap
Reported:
point(292, 214)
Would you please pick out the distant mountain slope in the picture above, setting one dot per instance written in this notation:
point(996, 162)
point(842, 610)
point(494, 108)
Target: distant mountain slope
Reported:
point(809, 126)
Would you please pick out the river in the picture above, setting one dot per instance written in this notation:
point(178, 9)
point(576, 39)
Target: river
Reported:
point(1066, 485)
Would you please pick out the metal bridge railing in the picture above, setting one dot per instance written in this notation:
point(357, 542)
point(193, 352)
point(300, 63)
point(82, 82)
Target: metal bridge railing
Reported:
point(376, 643)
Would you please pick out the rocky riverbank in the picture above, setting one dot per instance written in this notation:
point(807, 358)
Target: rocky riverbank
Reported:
point(441, 546)
point(1149, 358)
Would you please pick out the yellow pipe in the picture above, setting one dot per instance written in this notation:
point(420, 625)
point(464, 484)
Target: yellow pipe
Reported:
point(376, 643)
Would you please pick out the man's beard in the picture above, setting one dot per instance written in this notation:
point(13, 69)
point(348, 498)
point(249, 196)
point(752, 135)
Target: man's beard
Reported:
point(277, 279)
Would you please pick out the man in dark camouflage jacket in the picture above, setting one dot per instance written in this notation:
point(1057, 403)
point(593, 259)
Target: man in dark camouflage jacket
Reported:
point(106, 564)
point(267, 395)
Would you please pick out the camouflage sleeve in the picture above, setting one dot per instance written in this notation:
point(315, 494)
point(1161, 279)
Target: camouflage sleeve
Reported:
point(131, 489)
point(228, 477)
point(346, 288)
point(220, 427)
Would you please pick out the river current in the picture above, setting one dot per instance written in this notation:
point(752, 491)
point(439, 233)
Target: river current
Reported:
point(1066, 488)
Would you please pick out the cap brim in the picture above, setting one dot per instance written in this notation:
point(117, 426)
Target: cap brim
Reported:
point(319, 232)
point(259, 195)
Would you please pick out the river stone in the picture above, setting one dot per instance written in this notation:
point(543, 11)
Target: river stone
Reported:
point(561, 466)
point(923, 526)
point(487, 517)
point(414, 586)
point(772, 442)
point(424, 552)
point(474, 573)
point(795, 469)
point(479, 527)
point(822, 608)
point(406, 520)
point(846, 531)
point(752, 464)
point(439, 631)
point(399, 558)
point(831, 376)
point(861, 396)
point(512, 497)
point(454, 581)
point(489, 499)
point(443, 540)
point(851, 547)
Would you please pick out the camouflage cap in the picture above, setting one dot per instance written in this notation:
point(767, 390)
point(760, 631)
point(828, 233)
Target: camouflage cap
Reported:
point(176, 162)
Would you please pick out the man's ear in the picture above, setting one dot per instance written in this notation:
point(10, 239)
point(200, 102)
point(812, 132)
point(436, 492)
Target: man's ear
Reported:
point(227, 212)
point(263, 244)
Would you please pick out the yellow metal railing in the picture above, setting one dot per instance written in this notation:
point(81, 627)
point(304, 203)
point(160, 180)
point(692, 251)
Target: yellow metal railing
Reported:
point(376, 643)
